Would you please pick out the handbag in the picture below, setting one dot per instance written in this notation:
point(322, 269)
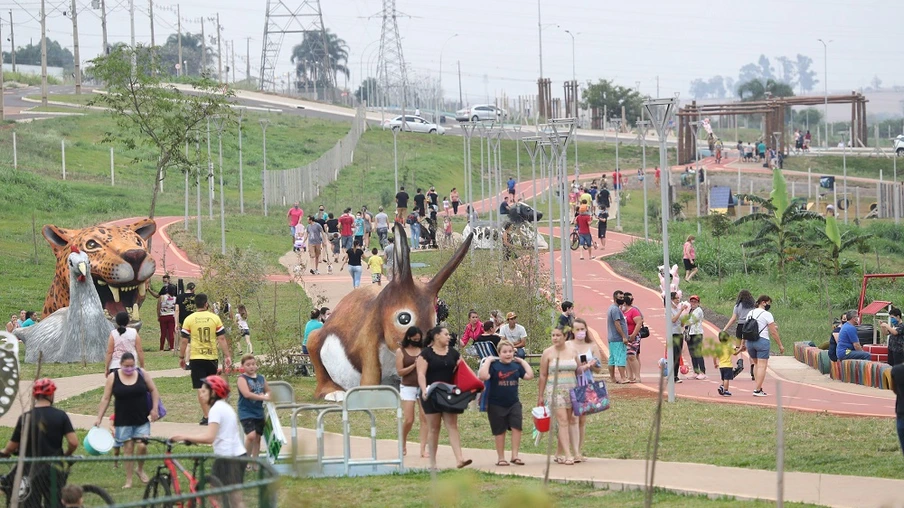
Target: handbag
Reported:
point(589, 398)
point(465, 379)
point(449, 398)
point(161, 411)
point(644, 331)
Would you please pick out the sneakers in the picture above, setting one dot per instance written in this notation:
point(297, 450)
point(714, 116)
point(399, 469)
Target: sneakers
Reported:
point(759, 393)
point(700, 376)
point(678, 381)
point(723, 392)
point(203, 421)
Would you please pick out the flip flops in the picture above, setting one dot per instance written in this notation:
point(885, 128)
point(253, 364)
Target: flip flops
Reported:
point(502, 463)
point(464, 463)
point(517, 462)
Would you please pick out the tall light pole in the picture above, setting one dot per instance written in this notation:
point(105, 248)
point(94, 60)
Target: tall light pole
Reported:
point(574, 79)
point(642, 128)
point(264, 122)
point(825, 82)
point(220, 124)
point(441, 49)
point(361, 68)
point(617, 183)
point(540, 33)
point(660, 111)
point(844, 139)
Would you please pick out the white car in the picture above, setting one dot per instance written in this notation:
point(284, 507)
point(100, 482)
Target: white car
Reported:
point(413, 124)
point(899, 145)
point(481, 112)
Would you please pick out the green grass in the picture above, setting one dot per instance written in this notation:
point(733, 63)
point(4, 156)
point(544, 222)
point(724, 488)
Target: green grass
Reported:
point(475, 489)
point(859, 166)
point(28, 79)
point(82, 99)
point(691, 431)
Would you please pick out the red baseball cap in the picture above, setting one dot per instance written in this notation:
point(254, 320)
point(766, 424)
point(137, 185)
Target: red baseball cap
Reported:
point(694, 297)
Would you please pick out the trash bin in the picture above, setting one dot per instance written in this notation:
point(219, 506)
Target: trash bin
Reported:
point(827, 182)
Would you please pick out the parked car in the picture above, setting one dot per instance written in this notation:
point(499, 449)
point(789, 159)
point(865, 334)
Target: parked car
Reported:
point(480, 112)
point(899, 145)
point(414, 124)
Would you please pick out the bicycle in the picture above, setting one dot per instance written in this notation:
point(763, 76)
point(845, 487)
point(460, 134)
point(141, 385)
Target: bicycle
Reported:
point(165, 482)
point(575, 240)
point(33, 487)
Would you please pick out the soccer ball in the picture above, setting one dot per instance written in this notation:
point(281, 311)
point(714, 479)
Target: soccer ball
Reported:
point(684, 370)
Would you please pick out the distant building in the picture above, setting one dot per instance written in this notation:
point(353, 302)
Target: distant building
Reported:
point(56, 72)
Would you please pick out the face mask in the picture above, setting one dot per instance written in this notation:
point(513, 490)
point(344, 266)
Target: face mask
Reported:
point(128, 370)
point(580, 335)
point(768, 306)
point(893, 321)
point(620, 301)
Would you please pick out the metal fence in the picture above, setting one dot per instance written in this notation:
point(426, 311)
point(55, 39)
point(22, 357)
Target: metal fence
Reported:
point(281, 188)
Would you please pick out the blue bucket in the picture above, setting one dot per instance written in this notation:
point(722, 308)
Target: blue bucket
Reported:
point(98, 441)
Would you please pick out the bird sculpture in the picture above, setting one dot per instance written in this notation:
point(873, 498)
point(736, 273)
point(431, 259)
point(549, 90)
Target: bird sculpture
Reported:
point(77, 333)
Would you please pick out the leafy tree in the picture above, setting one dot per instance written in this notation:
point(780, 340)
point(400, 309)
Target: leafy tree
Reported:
point(613, 97)
point(806, 77)
point(810, 116)
point(876, 82)
point(788, 71)
point(837, 242)
point(778, 235)
point(311, 60)
point(149, 114)
point(755, 90)
point(191, 54)
point(761, 70)
point(57, 56)
point(369, 86)
point(713, 87)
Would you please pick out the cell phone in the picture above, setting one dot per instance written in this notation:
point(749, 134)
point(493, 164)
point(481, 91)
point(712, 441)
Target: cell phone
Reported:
point(583, 358)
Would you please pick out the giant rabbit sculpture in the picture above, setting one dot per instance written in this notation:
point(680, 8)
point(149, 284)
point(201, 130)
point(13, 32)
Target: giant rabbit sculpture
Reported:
point(356, 346)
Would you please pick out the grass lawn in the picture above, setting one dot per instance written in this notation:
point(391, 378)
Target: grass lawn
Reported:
point(691, 431)
point(474, 489)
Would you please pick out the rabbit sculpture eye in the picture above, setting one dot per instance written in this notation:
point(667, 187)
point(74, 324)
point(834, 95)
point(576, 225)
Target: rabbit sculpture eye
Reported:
point(356, 346)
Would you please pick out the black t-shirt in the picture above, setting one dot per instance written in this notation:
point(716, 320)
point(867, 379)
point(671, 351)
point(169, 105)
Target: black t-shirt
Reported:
point(603, 198)
point(354, 257)
point(433, 198)
point(440, 369)
point(172, 289)
point(332, 226)
point(489, 338)
point(321, 221)
point(504, 208)
point(419, 202)
point(130, 402)
point(897, 377)
point(51, 426)
point(186, 303)
point(402, 199)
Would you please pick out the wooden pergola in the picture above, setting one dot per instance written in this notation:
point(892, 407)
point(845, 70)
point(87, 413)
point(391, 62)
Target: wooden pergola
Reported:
point(774, 111)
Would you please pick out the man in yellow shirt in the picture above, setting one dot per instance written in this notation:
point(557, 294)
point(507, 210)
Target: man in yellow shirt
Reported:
point(375, 263)
point(206, 333)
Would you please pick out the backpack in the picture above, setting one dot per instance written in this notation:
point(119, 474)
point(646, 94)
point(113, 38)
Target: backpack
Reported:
point(751, 329)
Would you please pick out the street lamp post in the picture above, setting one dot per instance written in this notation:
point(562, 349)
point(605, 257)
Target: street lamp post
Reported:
point(642, 128)
point(264, 123)
point(361, 70)
point(440, 101)
point(660, 111)
point(617, 183)
point(574, 79)
point(825, 82)
point(220, 124)
point(844, 138)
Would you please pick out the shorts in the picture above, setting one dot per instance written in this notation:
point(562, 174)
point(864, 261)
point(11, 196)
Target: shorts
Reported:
point(503, 419)
point(511, 191)
point(758, 349)
point(585, 240)
point(122, 435)
point(601, 233)
point(376, 277)
point(255, 425)
point(727, 373)
point(229, 471)
point(347, 242)
point(618, 354)
point(689, 265)
point(633, 347)
point(401, 213)
point(245, 331)
point(201, 369)
point(408, 392)
point(314, 250)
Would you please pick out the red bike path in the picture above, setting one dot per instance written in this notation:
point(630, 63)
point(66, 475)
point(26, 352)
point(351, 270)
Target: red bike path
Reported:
point(594, 282)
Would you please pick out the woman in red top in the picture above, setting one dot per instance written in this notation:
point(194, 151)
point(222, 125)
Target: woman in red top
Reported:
point(635, 321)
point(690, 258)
point(474, 328)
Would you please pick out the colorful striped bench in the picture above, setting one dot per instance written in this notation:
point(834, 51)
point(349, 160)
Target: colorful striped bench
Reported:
point(868, 373)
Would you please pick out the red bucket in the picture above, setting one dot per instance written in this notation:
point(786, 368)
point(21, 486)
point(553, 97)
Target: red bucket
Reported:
point(541, 418)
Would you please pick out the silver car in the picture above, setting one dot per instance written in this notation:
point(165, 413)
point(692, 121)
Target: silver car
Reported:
point(413, 124)
point(481, 112)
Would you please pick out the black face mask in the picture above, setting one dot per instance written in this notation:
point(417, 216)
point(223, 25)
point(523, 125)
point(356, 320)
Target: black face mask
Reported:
point(768, 306)
point(620, 301)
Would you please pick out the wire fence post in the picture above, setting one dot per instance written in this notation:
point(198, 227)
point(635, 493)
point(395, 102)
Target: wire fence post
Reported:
point(112, 171)
point(15, 153)
point(63, 151)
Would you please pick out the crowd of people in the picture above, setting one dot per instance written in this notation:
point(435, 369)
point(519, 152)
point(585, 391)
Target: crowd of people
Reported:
point(24, 319)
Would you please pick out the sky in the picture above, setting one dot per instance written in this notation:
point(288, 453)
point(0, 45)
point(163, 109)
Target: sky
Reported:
point(497, 41)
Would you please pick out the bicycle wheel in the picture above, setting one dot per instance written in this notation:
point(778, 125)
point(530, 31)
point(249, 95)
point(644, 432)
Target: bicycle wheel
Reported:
point(92, 495)
point(158, 487)
point(574, 241)
point(215, 501)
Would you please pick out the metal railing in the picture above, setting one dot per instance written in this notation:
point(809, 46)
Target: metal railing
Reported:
point(284, 187)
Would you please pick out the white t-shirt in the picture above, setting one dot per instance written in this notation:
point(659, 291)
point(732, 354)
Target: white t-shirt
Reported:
point(695, 322)
point(167, 305)
point(763, 320)
point(515, 335)
point(243, 324)
point(228, 442)
point(122, 344)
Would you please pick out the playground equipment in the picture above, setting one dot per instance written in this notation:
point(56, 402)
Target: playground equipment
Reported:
point(721, 200)
point(366, 399)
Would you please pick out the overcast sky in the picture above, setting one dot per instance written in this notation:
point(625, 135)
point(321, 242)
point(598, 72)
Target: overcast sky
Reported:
point(497, 42)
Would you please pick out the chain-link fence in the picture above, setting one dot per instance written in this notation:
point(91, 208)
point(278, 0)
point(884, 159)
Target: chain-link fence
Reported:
point(204, 480)
point(282, 188)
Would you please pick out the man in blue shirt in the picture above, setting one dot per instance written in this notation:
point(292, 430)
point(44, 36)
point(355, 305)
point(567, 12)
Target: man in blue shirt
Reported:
point(511, 186)
point(849, 347)
point(618, 335)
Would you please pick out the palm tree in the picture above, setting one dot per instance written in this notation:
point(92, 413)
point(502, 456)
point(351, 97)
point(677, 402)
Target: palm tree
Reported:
point(777, 236)
point(315, 66)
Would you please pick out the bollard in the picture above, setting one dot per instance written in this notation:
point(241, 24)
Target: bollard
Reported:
point(63, 145)
point(112, 173)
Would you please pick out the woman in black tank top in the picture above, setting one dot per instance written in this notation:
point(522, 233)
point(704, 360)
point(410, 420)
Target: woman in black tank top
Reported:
point(406, 357)
point(353, 258)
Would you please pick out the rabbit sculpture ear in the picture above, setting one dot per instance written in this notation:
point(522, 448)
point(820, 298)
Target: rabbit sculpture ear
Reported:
point(445, 272)
point(402, 256)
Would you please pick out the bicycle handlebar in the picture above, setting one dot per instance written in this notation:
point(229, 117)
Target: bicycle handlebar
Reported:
point(166, 442)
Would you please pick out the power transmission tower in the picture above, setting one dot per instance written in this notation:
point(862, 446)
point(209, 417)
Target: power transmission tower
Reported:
point(391, 73)
point(282, 20)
